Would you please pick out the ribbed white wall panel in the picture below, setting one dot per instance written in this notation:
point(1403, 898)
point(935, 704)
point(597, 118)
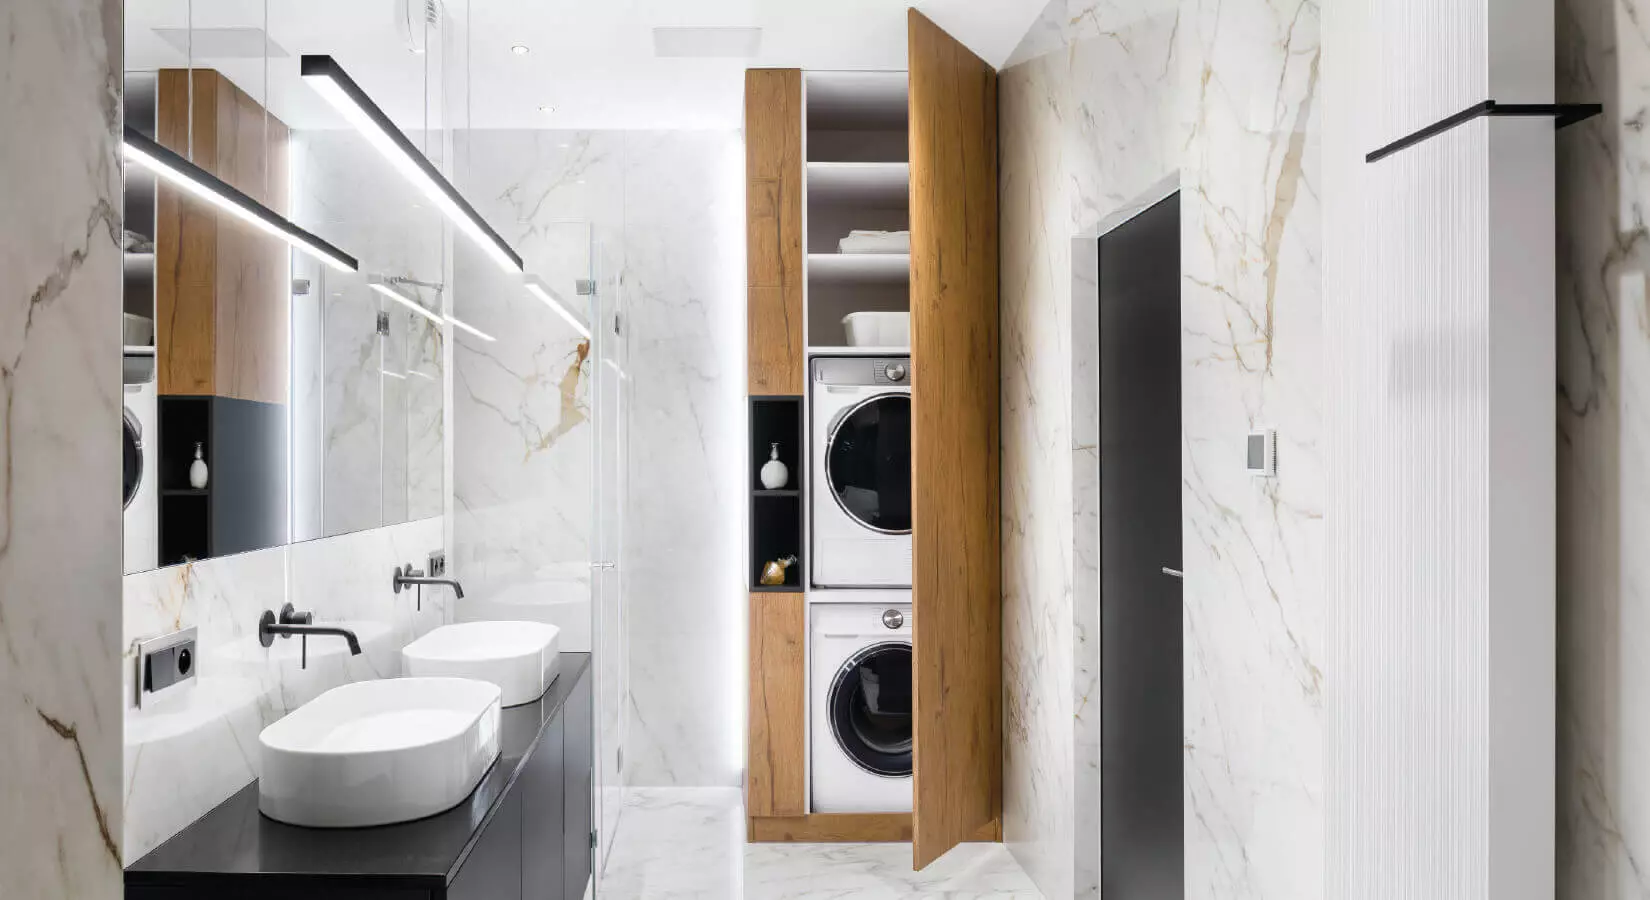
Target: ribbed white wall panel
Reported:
point(1439, 278)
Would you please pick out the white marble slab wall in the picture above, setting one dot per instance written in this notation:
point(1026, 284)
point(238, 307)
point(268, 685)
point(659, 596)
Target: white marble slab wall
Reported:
point(685, 601)
point(186, 754)
point(1251, 287)
point(1603, 454)
point(367, 407)
point(1088, 122)
point(60, 516)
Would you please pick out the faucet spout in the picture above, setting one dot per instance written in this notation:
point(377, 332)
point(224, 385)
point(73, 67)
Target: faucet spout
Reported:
point(408, 577)
point(292, 623)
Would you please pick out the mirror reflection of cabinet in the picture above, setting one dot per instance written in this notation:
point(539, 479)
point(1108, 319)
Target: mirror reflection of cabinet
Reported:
point(220, 314)
point(948, 163)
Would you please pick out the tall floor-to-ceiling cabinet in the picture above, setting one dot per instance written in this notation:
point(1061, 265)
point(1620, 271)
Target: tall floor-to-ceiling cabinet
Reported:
point(932, 131)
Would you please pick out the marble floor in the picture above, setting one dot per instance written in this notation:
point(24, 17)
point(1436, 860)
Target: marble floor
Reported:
point(690, 842)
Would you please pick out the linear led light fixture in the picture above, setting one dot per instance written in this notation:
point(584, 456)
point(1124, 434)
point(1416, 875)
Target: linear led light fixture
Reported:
point(537, 287)
point(328, 78)
point(457, 323)
point(384, 286)
point(167, 164)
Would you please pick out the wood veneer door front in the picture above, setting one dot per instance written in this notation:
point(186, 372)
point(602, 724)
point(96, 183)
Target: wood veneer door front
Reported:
point(773, 221)
point(776, 779)
point(956, 564)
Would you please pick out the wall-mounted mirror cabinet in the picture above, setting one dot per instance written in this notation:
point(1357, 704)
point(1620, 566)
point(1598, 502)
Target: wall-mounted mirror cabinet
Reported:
point(271, 397)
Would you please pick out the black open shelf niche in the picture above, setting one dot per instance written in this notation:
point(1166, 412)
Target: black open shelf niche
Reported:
point(776, 515)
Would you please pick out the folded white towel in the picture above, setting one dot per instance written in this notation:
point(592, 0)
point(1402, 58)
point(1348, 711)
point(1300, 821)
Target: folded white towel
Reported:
point(876, 242)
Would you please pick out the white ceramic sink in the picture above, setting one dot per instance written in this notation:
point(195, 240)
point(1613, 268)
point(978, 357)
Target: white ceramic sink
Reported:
point(519, 657)
point(376, 752)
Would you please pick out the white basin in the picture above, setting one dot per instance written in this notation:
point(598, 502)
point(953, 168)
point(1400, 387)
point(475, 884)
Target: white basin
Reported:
point(376, 752)
point(519, 657)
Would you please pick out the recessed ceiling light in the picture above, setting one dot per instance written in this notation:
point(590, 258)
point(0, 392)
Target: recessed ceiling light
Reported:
point(547, 110)
point(520, 49)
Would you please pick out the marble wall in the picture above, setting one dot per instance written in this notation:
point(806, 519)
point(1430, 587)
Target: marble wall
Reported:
point(650, 216)
point(368, 429)
point(185, 754)
point(1088, 122)
point(1101, 101)
point(1603, 331)
point(1251, 330)
point(60, 393)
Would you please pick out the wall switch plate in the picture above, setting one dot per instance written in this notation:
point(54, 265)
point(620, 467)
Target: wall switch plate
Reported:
point(438, 564)
point(1261, 453)
point(166, 665)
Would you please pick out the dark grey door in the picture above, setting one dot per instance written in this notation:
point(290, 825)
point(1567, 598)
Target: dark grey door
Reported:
point(1140, 750)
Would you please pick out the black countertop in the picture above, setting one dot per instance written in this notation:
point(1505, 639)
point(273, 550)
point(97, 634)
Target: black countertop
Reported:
point(234, 840)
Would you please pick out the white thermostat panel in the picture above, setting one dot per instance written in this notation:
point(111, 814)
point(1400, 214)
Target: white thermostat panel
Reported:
point(1263, 453)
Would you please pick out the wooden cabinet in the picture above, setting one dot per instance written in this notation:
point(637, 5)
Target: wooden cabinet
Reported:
point(956, 579)
point(773, 198)
point(221, 286)
point(578, 785)
point(538, 845)
point(543, 789)
point(881, 151)
point(492, 871)
point(776, 779)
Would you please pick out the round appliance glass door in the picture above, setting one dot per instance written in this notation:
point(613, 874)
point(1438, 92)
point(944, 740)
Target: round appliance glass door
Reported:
point(868, 463)
point(870, 709)
point(131, 457)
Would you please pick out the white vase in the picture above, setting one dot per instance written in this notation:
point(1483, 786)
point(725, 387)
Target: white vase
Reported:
point(775, 474)
point(197, 469)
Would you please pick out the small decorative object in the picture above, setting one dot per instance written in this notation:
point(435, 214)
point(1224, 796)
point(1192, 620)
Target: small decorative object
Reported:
point(774, 572)
point(197, 469)
point(775, 474)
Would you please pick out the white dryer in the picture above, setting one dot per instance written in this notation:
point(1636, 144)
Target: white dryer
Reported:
point(859, 732)
point(860, 494)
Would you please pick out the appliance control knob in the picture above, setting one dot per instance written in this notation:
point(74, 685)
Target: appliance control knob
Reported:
point(896, 372)
point(893, 618)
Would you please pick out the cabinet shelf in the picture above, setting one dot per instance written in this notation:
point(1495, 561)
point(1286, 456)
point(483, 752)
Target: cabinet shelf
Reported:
point(782, 492)
point(859, 268)
point(870, 184)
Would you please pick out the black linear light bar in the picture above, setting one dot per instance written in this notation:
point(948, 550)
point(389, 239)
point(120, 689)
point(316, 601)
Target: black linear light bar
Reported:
point(173, 167)
point(329, 79)
point(1562, 114)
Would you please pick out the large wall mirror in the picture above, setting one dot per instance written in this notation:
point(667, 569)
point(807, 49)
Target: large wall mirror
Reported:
point(270, 397)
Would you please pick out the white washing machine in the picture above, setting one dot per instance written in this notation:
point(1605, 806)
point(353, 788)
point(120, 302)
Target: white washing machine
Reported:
point(859, 730)
point(139, 475)
point(860, 494)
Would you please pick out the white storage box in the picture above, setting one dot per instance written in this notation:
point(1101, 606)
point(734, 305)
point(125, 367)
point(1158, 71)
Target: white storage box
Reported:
point(878, 329)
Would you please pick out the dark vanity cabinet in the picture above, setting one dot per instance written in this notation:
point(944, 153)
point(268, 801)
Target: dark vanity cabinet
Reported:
point(524, 833)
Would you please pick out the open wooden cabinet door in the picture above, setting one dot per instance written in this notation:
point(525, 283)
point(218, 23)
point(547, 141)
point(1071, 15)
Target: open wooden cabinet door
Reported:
point(956, 580)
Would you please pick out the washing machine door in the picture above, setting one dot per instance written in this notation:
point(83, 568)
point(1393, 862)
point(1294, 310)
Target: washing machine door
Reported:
point(131, 456)
point(870, 709)
point(868, 463)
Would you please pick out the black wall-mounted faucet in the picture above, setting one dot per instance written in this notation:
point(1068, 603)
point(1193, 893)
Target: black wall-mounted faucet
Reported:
point(407, 576)
point(292, 622)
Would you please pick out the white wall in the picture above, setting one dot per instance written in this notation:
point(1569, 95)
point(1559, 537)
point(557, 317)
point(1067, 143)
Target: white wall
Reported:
point(1603, 338)
point(60, 542)
point(1102, 101)
point(1440, 451)
point(188, 753)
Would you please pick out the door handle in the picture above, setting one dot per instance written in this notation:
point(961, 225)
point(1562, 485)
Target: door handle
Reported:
point(1174, 572)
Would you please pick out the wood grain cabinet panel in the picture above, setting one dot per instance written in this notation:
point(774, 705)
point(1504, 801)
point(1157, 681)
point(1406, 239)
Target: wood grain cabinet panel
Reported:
point(221, 286)
point(956, 565)
point(773, 197)
point(777, 780)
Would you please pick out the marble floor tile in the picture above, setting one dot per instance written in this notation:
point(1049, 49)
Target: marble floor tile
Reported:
point(690, 843)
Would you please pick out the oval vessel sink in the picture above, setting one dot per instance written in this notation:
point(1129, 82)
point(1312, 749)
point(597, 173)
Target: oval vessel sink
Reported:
point(377, 752)
point(518, 657)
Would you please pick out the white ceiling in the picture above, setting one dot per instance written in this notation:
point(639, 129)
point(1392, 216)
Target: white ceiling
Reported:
point(592, 60)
